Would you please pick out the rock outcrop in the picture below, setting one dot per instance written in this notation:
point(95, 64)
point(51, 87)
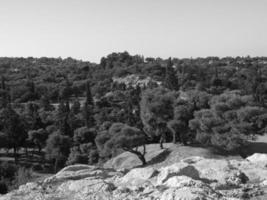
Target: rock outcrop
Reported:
point(194, 178)
point(259, 159)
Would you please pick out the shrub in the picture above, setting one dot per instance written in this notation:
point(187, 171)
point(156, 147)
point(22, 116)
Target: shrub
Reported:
point(76, 156)
point(7, 170)
point(3, 187)
point(93, 157)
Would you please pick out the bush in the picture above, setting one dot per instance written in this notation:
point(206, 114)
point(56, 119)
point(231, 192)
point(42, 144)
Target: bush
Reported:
point(3, 187)
point(93, 157)
point(37, 167)
point(76, 156)
point(7, 170)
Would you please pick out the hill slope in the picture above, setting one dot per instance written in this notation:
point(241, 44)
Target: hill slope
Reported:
point(156, 157)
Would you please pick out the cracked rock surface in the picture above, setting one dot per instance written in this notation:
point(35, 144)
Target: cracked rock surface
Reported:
point(193, 178)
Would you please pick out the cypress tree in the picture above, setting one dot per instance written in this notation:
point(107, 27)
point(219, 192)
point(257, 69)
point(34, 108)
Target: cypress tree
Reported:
point(88, 108)
point(171, 80)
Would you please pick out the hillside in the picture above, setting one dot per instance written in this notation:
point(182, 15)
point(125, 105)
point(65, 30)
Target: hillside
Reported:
point(156, 157)
point(58, 112)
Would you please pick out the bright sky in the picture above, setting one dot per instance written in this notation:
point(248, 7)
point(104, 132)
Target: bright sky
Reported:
point(90, 29)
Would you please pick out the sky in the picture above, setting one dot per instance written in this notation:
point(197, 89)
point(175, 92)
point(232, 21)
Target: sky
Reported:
point(91, 29)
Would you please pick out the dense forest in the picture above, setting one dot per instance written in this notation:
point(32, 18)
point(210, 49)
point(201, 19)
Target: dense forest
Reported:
point(68, 111)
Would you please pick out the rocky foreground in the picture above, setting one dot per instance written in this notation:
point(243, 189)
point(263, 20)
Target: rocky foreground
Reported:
point(193, 178)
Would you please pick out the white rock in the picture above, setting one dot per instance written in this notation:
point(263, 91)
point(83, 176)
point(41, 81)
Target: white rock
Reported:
point(259, 159)
point(254, 172)
point(182, 181)
point(177, 169)
point(188, 193)
point(191, 178)
point(221, 171)
point(139, 173)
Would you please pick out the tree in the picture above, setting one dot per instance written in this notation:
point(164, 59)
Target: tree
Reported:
point(178, 126)
point(57, 148)
point(132, 106)
point(45, 103)
point(127, 138)
point(101, 138)
point(66, 91)
point(89, 98)
point(171, 80)
point(183, 112)
point(13, 127)
point(35, 121)
point(38, 137)
point(88, 115)
point(4, 143)
point(157, 107)
point(75, 108)
point(63, 119)
point(84, 135)
point(88, 108)
point(29, 94)
point(228, 123)
point(76, 156)
point(3, 94)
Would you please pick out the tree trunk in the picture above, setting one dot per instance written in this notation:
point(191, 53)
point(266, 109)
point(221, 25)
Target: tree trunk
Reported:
point(183, 138)
point(142, 158)
point(162, 139)
point(161, 143)
point(173, 137)
point(56, 165)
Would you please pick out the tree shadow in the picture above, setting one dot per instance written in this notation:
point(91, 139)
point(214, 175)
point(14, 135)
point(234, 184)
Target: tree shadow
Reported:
point(160, 157)
point(254, 147)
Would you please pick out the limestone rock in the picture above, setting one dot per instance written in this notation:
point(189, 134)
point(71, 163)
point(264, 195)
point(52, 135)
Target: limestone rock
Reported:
point(254, 172)
point(189, 193)
point(193, 178)
point(218, 170)
point(259, 159)
point(178, 169)
point(139, 173)
point(182, 181)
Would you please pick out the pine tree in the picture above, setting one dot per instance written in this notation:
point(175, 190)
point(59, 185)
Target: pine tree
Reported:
point(35, 120)
point(62, 119)
point(171, 80)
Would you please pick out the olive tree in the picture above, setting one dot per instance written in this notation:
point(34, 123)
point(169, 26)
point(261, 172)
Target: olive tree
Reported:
point(157, 106)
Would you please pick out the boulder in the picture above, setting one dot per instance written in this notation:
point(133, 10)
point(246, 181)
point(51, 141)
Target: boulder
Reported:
point(88, 188)
point(220, 171)
point(75, 172)
point(190, 193)
point(138, 174)
point(182, 181)
point(258, 159)
point(177, 169)
point(254, 172)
